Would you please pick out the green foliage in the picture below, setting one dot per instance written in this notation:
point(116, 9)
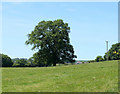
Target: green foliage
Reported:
point(39, 61)
point(90, 61)
point(6, 61)
point(98, 59)
point(20, 63)
point(32, 62)
point(51, 38)
point(16, 65)
point(28, 64)
point(114, 52)
point(15, 59)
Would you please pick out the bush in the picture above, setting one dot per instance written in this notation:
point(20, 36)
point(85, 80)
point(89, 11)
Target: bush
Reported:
point(20, 63)
point(6, 61)
point(90, 61)
point(98, 59)
point(16, 65)
point(114, 52)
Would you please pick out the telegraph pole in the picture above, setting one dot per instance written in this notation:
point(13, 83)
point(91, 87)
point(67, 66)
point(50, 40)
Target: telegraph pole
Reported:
point(107, 50)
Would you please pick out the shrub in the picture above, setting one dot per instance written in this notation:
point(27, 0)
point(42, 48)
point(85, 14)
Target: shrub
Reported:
point(20, 63)
point(98, 59)
point(6, 61)
point(90, 61)
point(114, 52)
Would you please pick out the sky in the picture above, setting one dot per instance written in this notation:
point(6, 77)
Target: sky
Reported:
point(91, 24)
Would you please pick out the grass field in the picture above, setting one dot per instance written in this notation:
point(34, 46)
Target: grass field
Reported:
point(92, 77)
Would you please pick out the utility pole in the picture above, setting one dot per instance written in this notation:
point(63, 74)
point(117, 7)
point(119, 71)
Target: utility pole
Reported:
point(107, 50)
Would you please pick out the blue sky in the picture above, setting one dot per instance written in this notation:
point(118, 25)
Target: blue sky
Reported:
point(91, 25)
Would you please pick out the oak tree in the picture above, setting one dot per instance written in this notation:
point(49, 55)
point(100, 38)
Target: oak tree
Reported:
point(51, 38)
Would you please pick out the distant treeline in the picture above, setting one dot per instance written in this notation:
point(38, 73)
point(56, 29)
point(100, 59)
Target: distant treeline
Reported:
point(21, 62)
point(113, 54)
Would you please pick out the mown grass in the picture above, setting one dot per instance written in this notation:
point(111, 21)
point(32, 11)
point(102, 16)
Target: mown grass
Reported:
point(92, 77)
point(0, 80)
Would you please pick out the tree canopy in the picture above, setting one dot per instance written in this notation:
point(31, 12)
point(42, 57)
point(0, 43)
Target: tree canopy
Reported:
point(6, 61)
point(114, 52)
point(20, 63)
point(98, 59)
point(51, 38)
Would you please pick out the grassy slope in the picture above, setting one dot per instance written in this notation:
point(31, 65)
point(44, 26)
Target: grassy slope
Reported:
point(93, 77)
point(0, 80)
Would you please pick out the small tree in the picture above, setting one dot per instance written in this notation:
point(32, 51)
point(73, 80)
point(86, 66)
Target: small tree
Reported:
point(114, 52)
point(98, 59)
point(6, 61)
point(20, 63)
